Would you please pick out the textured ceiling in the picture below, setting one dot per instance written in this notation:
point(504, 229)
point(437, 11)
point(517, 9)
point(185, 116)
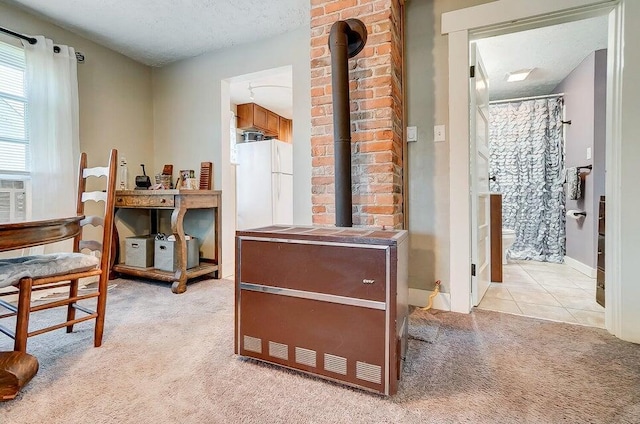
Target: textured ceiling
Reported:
point(553, 51)
point(158, 32)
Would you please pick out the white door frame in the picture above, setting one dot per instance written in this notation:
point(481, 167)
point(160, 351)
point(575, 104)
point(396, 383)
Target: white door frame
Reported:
point(505, 16)
point(228, 186)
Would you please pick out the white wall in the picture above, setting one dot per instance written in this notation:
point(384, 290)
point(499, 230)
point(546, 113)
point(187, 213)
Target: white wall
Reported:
point(187, 114)
point(581, 102)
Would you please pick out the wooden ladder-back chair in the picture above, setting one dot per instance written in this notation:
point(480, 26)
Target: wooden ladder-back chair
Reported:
point(59, 270)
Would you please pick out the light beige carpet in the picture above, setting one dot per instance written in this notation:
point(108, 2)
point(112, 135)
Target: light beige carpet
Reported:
point(169, 358)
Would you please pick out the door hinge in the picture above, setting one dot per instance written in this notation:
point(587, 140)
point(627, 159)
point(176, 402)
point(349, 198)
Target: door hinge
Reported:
point(473, 270)
point(472, 71)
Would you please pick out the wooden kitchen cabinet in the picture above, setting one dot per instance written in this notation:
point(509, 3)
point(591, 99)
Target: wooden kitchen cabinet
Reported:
point(252, 116)
point(286, 130)
point(273, 123)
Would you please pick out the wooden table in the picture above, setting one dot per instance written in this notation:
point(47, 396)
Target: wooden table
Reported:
point(19, 235)
point(180, 201)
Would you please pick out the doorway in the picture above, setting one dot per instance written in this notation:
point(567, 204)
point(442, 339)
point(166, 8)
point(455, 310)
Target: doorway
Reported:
point(546, 113)
point(506, 16)
point(272, 91)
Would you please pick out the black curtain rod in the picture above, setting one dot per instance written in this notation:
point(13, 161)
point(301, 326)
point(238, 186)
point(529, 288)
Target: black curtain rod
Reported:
point(31, 40)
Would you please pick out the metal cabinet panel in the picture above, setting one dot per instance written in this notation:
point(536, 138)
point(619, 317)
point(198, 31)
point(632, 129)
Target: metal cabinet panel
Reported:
point(339, 270)
point(318, 337)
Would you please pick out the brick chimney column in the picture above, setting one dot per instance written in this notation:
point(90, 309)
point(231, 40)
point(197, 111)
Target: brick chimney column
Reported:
point(375, 84)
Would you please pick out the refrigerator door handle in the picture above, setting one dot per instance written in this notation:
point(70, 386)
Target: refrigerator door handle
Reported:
point(278, 170)
point(278, 159)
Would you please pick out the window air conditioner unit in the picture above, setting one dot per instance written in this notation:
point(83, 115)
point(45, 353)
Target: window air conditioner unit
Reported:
point(13, 200)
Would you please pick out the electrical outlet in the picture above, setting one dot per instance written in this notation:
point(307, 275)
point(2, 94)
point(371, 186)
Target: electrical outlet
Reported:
point(412, 133)
point(439, 133)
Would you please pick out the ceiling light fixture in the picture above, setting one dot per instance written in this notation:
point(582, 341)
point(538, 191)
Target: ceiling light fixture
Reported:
point(253, 87)
point(520, 75)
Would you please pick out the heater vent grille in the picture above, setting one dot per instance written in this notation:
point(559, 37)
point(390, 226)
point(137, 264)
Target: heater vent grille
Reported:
point(368, 372)
point(306, 356)
point(279, 350)
point(336, 364)
point(252, 344)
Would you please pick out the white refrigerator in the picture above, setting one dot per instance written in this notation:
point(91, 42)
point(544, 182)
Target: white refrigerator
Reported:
point(264, 181)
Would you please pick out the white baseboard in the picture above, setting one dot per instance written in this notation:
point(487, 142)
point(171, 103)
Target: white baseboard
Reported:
point(419, 297)
point(579, 266)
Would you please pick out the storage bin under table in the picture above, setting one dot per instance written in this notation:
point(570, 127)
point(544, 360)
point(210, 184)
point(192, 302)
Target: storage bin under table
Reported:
point(139, 251)
point(166, 255)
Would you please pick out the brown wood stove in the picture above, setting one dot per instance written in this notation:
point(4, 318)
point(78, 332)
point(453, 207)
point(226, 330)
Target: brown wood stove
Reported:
point(331, 302)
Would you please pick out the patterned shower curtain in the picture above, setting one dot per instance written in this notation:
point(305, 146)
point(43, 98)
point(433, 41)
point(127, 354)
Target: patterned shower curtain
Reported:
point(527, 158)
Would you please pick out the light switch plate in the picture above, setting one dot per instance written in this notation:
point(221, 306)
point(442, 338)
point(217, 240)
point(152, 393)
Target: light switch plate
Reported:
point(439, 133)
point(588, 152)
point(412, 134)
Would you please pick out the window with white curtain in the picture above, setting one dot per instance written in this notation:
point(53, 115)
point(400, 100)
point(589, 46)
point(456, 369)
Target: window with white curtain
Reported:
point(14, 135)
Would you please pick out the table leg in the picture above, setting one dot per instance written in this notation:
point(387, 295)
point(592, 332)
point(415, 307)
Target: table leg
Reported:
point(177, 228)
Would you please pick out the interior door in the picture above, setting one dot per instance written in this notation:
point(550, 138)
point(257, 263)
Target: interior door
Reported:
point(479, 144)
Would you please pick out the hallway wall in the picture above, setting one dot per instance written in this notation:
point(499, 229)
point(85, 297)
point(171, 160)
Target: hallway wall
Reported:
point(585, 98)
point(427, 73)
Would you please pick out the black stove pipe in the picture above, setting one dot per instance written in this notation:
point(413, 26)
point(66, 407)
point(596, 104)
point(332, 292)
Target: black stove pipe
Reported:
point(346, 39)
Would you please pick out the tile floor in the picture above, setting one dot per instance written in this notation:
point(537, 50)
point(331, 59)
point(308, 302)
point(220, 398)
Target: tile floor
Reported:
point(545, 290)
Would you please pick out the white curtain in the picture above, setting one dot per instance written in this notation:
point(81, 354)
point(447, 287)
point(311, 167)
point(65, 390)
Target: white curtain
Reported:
point(52, 95)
